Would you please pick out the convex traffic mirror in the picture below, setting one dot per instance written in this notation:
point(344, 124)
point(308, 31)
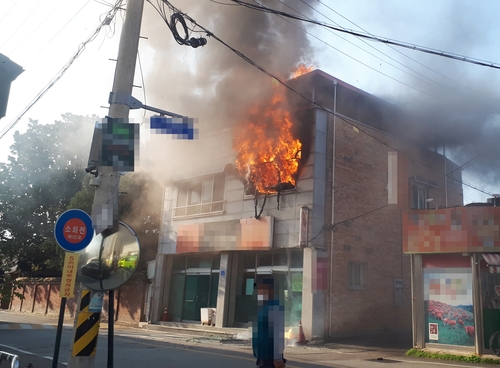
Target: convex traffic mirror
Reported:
point(108, 262)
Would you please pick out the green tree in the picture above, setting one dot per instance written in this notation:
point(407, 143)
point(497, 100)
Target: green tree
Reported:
point(139, 206)
point(43, 172)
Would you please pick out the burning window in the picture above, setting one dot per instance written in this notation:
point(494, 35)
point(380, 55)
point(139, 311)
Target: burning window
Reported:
point(267, 153)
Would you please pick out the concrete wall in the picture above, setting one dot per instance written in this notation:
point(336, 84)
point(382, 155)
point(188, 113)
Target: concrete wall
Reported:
point(237, 206)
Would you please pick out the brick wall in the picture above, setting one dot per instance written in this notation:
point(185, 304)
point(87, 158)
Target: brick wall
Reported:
point(41, 297)
point(361, 173)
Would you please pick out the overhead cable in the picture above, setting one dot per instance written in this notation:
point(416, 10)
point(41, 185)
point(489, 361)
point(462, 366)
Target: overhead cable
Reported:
point(306, 98)
point(374, 38)
point(110, 15)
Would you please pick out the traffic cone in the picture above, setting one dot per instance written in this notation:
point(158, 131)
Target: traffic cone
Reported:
point(164, 317)
point(301, 339)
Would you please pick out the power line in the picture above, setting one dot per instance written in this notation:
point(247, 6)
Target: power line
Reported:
point(353, 58)
point(394, 48)
point(375, 38)
point(332, 226)
point(327, 110)
point(110, 15)
point(426, 79)
point(20, 25)
point(8, 11)
point(60, 30)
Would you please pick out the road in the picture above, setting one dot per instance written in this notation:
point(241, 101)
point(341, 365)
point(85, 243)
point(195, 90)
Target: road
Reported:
point(32, 338)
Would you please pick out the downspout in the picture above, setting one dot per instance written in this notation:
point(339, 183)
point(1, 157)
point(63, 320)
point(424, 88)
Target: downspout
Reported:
point(330, 299)
point(445, 179)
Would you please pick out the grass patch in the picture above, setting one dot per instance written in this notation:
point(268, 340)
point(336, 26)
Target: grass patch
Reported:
point(457, 358)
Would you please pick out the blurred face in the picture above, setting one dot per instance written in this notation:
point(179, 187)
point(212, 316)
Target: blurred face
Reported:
point(264, 292)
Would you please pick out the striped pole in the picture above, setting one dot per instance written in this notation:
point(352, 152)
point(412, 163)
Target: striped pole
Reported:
point(87, 328)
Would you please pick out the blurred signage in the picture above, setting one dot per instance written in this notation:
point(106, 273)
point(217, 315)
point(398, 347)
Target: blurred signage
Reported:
point(181, 128)
point(67, 289)
point(243, 234)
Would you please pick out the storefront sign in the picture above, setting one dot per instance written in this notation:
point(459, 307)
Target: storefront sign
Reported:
point(243, 234)
point(452, 230)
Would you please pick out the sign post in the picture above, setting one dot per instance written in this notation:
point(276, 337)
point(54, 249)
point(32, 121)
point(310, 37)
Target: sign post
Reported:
point(73, 232)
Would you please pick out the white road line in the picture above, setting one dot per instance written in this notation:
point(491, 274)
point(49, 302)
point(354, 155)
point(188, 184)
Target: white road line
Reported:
point(25, 326)
point(16, 349)
point(29, 353)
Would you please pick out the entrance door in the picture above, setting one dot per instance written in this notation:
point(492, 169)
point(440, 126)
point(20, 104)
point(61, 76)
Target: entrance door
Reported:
point(195, 296)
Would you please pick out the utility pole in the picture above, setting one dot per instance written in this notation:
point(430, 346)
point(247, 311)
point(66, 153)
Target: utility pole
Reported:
point(105, 207)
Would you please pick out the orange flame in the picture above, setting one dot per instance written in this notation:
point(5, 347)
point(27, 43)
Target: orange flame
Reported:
point(267, 153)
point(301, 69)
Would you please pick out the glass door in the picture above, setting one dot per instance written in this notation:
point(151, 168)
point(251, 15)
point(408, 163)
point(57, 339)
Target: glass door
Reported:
point(196, 294)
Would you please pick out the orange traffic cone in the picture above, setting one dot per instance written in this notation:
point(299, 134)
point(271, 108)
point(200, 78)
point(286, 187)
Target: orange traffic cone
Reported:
point(164, 317)
point(301, 339)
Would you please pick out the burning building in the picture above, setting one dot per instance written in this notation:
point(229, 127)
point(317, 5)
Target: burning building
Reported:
point(298, 189)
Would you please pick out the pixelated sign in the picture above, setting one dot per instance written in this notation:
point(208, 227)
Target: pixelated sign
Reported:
point(120, 142)
point(67, 289)
point(73, 230)
point(180, 128)
point(245, 234)
point(452, 230)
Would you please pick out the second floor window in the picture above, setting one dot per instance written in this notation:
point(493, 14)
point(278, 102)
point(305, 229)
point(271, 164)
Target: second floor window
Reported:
point(418, 197)
point(200, 196)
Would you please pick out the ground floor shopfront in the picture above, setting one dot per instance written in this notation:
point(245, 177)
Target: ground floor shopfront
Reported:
point(457, 300)
point(225, 281)
point(456, 282)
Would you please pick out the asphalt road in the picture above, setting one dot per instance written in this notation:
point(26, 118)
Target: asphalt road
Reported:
point(33, 338)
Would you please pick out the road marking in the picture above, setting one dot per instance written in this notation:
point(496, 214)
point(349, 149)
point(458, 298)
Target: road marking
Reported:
point(29, 326)
point(16, 349)
point(29, 353)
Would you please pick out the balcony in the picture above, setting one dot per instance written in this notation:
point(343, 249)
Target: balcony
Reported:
point(199, 210)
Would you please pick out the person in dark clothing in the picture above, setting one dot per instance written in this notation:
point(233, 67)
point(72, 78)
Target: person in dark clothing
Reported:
point(268, 340)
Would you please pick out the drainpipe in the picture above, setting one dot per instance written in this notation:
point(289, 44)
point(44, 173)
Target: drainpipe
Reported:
point(330, 299)
point(445, 179)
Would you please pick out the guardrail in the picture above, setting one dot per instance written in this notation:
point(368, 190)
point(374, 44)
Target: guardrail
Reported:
point(12, 358)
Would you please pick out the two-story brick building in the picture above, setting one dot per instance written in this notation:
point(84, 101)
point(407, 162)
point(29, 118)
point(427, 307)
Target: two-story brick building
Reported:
point(331, 240)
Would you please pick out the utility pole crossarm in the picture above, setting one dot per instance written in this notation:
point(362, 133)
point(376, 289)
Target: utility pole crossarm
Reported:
point(133, 103)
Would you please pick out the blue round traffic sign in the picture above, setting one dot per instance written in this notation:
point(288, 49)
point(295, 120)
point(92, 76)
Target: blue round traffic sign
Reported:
point(73, 230)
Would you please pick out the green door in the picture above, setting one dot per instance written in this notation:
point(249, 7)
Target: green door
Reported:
point(195, 296)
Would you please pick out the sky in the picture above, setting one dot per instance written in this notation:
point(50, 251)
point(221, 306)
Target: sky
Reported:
point(456, 101)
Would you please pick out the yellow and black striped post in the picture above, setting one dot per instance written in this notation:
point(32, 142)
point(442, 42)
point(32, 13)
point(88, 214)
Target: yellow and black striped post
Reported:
point(87, 328)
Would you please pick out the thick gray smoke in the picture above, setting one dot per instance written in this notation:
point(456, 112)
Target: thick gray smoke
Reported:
point(212, 83)
point(460, 107)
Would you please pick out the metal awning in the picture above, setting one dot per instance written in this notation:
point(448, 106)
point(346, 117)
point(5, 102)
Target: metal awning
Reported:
point(493, 261)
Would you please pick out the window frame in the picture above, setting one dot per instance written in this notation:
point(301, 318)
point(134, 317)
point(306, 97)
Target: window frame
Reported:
point(361, 268)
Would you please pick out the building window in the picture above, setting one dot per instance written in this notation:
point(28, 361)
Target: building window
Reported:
point(357, 276)
point(201, 196)
point(418, 197)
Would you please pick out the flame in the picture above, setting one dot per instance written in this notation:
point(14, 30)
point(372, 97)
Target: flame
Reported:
point(267, 153)
point(301, 69)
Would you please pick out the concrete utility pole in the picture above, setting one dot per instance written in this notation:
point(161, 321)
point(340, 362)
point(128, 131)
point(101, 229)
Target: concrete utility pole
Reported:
point(106, 194)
